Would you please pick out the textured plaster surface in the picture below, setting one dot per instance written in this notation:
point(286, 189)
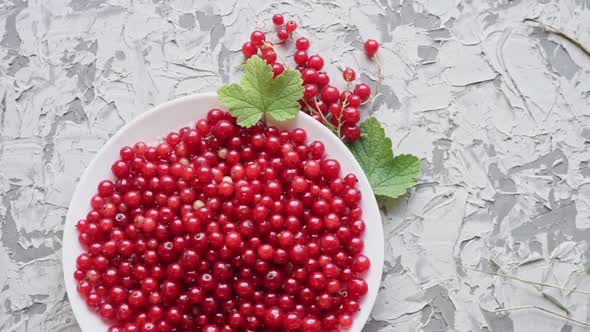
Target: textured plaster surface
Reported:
point(497, 110)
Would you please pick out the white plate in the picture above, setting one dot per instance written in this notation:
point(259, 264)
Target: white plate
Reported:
point(152, 126)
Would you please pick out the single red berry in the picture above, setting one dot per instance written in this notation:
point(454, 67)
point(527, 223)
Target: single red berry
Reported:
point(248, 49)
point(265, 252)
point(363, 91)
point(311, 90)
point(277, 69)
point(106, 188)
point(331, 168)
point(300, 57)
point(335, 109)
point(299, 184)
point(120, 169)
point(223, 130)
point(345, 321)
point(330, 94)
point(107, 311)
point(292, 322)
point(354, 100)
point(291, 26)
point(317, 149)
point(283, 35)
point(361, 263)
point(215, 115)
point(302, 44)
point(371, 47)
point(311, 324)
point(322, 79)
point(257, 38)
point(298, 136)
point(351, 132)
point(269, 55)
point(309, 76)
point(317, 281)
point(351, 115)
point(315, 62)
point(356, 288)
point(273, 317)
point(349, 75)
point(277, 19)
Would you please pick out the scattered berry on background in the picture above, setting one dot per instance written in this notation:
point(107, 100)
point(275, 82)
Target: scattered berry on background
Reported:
point(283, 35)
point(302, 44)
point(371, 47)
point(363, 91)
point(291, 26)
point(278, 19)
point(257, 38)
point(224, 228)
point(318, 99)
point(348, 75)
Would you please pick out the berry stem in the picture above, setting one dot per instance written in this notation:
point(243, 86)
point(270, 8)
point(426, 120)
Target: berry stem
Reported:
point(553, 29)
point(342, 107)
point(324, 120)
point(379, 81)
point(266, 44)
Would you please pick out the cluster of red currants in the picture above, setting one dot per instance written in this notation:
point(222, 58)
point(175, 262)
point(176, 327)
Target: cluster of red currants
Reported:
point(222, 228)
point(339, 111)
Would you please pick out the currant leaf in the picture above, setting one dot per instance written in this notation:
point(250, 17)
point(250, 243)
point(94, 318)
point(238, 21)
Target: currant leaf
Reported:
point(389, 176)
point(259, 94)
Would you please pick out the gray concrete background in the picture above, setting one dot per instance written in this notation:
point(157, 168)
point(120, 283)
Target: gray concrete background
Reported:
point(498, 111)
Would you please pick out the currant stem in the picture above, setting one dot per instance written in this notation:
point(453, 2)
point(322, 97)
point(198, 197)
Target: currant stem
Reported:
point(379, 81)
point(324, 120)
point(553, 29)
point(283, 60)
point(342, 107)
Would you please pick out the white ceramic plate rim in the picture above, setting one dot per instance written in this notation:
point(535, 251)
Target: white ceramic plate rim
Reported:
point(181, 112)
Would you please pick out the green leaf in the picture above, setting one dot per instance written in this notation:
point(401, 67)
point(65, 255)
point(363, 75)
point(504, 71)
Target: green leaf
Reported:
point(389, 176)
point(233, 97)
point(258, 94)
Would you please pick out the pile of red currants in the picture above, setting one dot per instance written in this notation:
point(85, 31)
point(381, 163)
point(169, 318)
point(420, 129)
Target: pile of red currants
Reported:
point(223, 228)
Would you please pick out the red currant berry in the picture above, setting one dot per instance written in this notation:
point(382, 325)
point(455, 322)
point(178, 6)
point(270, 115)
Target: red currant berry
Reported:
point(363, 91)
point(277, 19)
point(257, 38)
point(330, 94)
point(269, 55)
point(302, 44)
point(248, 49)
point(351, 133)
point(277, 69)
point(283, 35)
point(315, 62)
point(351, 115)
point(371, 47)
point(309, 75)
point(349, 75)
point(291, 26)
point(106, 188)
point(322, 79)
point(300, 58)
point(311, 90)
